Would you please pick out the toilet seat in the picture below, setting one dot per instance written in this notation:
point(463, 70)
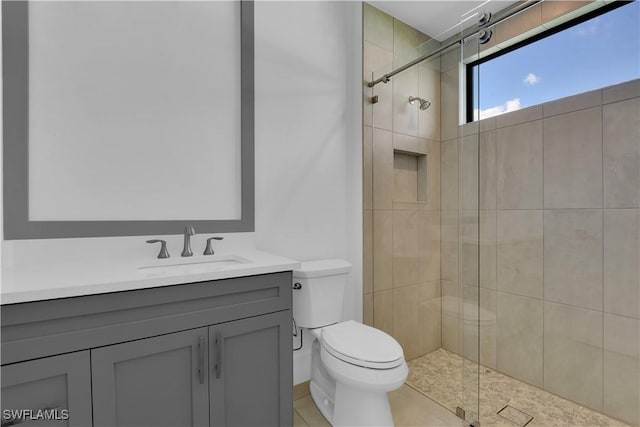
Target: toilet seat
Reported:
point(361, 345)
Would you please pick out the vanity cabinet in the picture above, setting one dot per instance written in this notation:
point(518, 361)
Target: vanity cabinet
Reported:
point(53, 383)
point(209, 353)
point(159, 381)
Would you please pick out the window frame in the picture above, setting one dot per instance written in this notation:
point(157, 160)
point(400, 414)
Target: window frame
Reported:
point(469, 68)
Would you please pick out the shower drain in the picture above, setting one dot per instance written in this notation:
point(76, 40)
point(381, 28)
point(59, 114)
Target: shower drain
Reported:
point(514, 415)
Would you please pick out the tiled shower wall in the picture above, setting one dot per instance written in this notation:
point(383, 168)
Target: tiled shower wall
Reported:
point(559, 246)
point(401, 187)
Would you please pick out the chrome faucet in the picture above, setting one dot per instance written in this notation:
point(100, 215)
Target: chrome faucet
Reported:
point(188, 232)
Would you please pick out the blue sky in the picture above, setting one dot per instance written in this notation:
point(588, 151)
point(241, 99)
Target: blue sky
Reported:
point(596, 53)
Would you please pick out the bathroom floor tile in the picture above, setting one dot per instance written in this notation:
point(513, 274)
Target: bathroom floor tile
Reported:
point(445, 377)
point(409, 407)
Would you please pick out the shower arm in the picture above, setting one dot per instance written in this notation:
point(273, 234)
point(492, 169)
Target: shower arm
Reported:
point(463, 39)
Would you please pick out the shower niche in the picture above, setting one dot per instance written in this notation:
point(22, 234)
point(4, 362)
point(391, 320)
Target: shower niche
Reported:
point(410, 176)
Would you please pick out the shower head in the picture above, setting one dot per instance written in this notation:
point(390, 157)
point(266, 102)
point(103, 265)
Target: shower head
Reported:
point(424, 104)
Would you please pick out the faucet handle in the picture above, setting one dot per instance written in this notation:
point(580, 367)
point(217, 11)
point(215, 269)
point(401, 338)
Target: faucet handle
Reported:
point(209, 249)
point(164, 253)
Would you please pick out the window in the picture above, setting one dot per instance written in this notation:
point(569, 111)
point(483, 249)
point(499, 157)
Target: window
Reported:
point(599, 49)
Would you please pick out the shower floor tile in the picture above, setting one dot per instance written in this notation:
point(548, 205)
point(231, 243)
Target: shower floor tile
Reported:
point(452, 381)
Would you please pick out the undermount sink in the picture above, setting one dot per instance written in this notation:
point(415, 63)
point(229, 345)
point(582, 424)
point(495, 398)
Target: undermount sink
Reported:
point(199, 264)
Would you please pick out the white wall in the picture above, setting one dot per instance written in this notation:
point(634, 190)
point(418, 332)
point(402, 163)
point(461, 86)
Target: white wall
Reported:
point(308, 140)
point(308, 151)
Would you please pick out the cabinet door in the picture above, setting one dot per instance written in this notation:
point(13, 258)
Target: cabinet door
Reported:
point(159, 381)
point(251, 371)
point(58, 383)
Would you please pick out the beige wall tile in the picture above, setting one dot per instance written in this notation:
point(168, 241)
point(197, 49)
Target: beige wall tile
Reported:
point(432, 184)
point(382, 250)
point(519, 166)
point(429, 89)
point(383, 311)
point(377, 27)
point(450, 60)
point(573, 353)
point(488, 329)
point(405, 115)
point(619, 92)
point(382, 169)
point(429, 316)
point(428, 246)
point(621, 255)
point(487, 124)
point(573, 160)
point(554, 9)
point(488, 172)
point(524, 115)
point(573, 257)
point(449, 175)
point(488, 250)
point(405, 320)
point(519, 337)
point(367, 309)
point(405, 177)
point(622, 368)
point(572, 103)
point(405, 248)
point(469, 248)
point(451, 323)
point(367, 167)
point(519, 252)
point(408, 144)
point(449, 245)
point(382, 111)
point(468, 173)
point(469, 324)
point(375, 62)
point(406, 40)
point(367, 251)
point(518, 24)
point(621, 144)
point(375, 59)
point(449, 112)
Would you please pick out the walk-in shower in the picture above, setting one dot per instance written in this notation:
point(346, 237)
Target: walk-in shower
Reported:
point(502, 236)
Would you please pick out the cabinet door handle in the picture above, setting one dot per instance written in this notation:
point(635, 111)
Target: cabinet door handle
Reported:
point(218, 365)
point(201, 359)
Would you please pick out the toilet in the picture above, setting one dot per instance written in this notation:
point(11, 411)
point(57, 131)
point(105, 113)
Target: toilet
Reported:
point(353, 366)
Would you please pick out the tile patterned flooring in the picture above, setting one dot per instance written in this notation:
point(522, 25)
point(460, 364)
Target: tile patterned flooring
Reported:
point(440, 381)
point(408, 407)
point(450, 380)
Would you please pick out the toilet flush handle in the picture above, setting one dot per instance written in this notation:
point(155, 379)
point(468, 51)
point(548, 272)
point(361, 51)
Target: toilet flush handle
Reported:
point(297, 286)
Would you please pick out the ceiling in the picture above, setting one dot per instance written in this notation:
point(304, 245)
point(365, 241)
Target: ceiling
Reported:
point(439, 19)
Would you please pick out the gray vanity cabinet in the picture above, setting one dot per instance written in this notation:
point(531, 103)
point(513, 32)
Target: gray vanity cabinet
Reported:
point(159, 381)
point(250, 370)
point(57, 382)
point(196, 354)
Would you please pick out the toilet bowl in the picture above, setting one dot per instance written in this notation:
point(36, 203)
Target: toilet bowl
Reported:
point(353, 365)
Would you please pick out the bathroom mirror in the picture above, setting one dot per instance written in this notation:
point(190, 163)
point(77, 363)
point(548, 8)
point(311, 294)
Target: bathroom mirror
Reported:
point(127, 118)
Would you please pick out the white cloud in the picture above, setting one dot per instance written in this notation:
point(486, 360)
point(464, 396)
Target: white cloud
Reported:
point(510, 105)
point(531, 79)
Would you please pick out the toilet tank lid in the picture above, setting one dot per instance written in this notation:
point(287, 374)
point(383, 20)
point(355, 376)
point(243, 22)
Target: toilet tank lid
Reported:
point(321, 268)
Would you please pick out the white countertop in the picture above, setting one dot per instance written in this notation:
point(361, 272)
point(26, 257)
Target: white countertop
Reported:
point(63, 281)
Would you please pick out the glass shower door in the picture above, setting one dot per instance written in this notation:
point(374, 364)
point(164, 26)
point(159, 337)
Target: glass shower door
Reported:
point(469, 219)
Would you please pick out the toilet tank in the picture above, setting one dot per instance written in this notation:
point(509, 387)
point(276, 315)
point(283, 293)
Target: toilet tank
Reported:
point(318, 292)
